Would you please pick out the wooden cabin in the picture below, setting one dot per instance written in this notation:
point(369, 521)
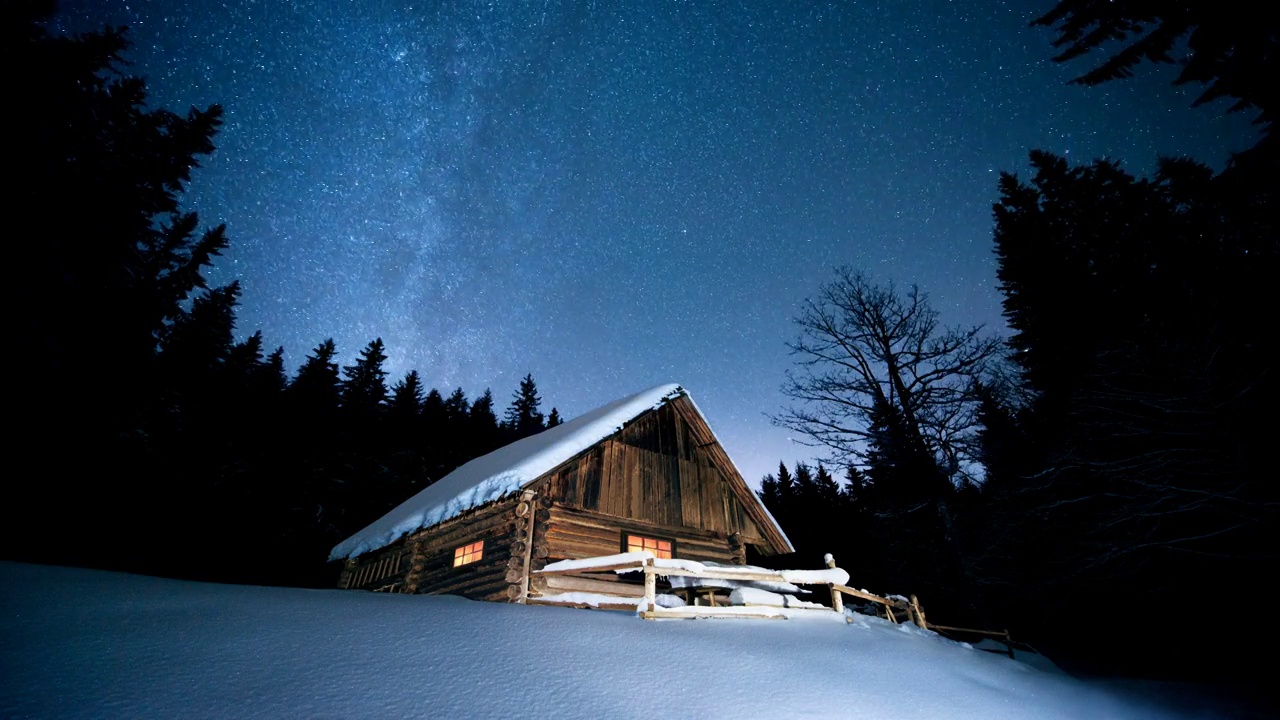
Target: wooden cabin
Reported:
point(642, 473)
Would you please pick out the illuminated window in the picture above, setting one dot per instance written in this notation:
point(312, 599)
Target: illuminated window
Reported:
point(659, 548)
point(468, 554)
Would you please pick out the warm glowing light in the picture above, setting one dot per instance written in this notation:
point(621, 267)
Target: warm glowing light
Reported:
point(468, 553)
point(659, 548)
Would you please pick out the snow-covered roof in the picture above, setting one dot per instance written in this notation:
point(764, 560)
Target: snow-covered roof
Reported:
point(502, 472)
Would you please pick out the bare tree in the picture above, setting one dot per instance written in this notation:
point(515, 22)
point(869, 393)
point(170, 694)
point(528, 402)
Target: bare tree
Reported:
point(865, 348)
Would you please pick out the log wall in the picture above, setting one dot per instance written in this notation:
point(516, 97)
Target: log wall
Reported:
point(658, 470)
point(490, 577)
point(573, 533)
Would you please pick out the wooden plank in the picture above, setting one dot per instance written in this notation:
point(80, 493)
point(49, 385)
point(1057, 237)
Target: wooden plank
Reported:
point(705, 613)
point(595, 569)
point(725, 575)
point(570, 529)
point(637, 493)
point(713, 515)
point(564, 546)
point(975, 631)
point(613, 498)
point(630, 607)
point(675, 489)
point(580, 551)
point(589, 478)
point(570, 583)
point(859, 594)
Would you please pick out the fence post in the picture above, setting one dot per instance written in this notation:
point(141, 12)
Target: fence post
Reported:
point(650, 585)
point(919, 613)
point(837, 602)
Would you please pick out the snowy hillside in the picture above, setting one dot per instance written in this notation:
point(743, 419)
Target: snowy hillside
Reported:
point(87, 644)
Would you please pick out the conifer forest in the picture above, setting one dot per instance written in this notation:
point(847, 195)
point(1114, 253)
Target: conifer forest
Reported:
point(1093, 476)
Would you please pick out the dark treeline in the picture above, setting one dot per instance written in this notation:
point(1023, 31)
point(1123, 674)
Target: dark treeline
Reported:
point(1101, 482)
point(146, 437)
point(1098, 482)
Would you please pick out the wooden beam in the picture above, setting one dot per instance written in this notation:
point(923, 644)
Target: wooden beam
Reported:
point(633, 565)
point(690, 613)
point(859, 594)
point(975, 631)
point(629, 606)
point(568, 583)
point(717, 574)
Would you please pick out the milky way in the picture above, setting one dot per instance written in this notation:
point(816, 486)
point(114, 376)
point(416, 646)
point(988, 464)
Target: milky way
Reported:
point(615, 195)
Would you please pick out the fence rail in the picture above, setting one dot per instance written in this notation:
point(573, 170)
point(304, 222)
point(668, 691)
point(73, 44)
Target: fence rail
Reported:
point(896, 608)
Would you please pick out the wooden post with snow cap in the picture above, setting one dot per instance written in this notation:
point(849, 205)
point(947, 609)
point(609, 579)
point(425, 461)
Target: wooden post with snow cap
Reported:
point(650, 586)
point(837, 602)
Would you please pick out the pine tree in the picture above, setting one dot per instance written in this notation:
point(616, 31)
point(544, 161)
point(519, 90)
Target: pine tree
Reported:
point(200, 340)
point(407, 397)
point(855, 485)
point(523, 416)
point(457, 408)
point(769, 492)
point(786, 488)
point(364, 391)
point(554, 419)
point(483, 425)
point(806, 490)
point(434, 414)
point(316, 387)
point(271, 377)
point(1230, 49)
point(245, 358)
point(115, 272)
point(826, 487)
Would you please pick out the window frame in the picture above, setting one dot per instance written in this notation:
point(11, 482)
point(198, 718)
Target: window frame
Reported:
point(473, 550)
point(626, 542)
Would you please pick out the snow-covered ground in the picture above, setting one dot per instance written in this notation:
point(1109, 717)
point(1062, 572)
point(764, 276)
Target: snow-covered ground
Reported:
point(87, 644)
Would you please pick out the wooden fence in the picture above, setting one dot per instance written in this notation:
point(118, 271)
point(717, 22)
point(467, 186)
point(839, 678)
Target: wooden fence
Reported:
point(593, 591)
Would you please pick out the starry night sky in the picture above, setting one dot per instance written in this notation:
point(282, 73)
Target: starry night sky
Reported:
point(613, 195)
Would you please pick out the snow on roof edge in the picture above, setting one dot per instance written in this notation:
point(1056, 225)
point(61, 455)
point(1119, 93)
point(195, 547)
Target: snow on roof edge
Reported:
point(502, 472)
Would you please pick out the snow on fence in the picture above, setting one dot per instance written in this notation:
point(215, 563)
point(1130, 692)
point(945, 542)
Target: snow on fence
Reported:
point(751, 592)
point(728, 590)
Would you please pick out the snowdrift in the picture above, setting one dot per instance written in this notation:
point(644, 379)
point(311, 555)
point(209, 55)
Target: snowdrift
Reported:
point(89, 644)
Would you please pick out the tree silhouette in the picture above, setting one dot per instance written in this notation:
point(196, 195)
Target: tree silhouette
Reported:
point(364, 389)
point(1232, 48)
point(1137, 457)
point(318, 376)
point(407, 396)
point(115, 272)
point(524, 418)
point(104, 265)
point(868, 354)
